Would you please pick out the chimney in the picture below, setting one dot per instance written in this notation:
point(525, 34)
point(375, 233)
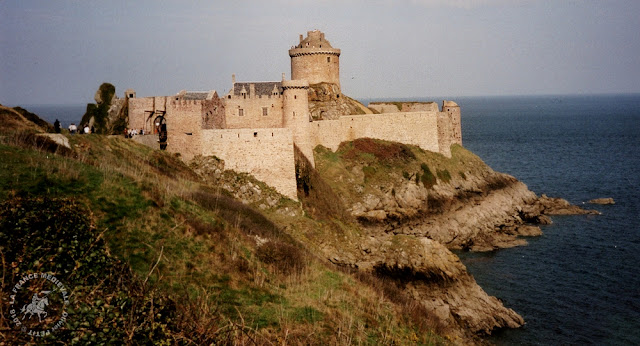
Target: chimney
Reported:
point(301, 38)
point(252, 90)
point(233, 78)
point(283, 76)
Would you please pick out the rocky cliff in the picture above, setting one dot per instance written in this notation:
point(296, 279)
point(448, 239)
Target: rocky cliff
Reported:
point(412, 207)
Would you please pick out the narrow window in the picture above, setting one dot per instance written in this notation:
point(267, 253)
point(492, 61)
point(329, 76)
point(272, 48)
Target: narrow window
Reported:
point(229, 96)
point(295, 97)
point(241, 112)
point(255, 134)
point(328, 59)
point(294, 114)
point(264, 111)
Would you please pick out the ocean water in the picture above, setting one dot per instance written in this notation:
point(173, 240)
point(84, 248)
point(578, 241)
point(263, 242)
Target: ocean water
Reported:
point(579, 283)
point(67, 114)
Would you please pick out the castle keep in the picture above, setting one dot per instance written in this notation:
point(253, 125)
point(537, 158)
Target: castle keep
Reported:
point(255, 126)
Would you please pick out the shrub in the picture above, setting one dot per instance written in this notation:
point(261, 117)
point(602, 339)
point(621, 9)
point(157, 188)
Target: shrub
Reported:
point(108, 304)
point(286, 258)
point(234, 212)
point(427, 178)
point(443, 175)
point(382, 150)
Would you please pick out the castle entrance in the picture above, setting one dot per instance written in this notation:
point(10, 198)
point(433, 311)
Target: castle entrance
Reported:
point(161, 129)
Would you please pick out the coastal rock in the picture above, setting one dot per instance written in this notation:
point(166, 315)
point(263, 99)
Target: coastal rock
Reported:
point(479, 214)
point(436, 278)
point(559, 206)
point(603, 201)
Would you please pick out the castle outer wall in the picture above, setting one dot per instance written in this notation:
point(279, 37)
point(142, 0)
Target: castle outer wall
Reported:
point(416, 128)
point(267, 154)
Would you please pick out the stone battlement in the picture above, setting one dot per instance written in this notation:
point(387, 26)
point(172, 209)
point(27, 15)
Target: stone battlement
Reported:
point(295, 52)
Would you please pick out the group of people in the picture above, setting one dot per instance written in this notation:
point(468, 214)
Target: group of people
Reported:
point(73, 129)
point(128, 133)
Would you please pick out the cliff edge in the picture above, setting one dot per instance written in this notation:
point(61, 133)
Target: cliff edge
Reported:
point(411, 207)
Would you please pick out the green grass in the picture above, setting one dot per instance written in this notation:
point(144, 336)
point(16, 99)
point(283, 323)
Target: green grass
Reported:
point(193, 254)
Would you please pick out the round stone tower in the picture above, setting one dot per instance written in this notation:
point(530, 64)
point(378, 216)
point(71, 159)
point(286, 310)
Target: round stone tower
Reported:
point(295, 110)
point(314, 60)
point(453, 111)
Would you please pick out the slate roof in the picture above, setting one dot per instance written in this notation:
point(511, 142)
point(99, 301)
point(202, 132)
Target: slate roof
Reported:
point(262, 88)
point(195, 95)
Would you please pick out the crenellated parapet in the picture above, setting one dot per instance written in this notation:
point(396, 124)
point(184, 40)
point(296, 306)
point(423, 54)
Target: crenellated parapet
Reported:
point(296, 52)
point(295, 84)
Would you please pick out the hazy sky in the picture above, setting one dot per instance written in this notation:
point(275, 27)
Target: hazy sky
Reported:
point(61, 51)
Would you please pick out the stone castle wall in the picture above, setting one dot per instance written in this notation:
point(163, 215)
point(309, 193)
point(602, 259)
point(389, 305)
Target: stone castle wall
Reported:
point(253, 111)
point(213, 114)
point(393, 107)
point(184, 127)
point(417, 128)
point(138, 119)
point(265, 153)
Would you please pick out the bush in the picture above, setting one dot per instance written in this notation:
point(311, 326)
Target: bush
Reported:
point(427, 178)
point(107, 303)
point(443, 175)
point(286, 258)
point(382, 150)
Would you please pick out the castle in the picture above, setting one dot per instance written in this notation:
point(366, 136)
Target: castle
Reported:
point(255, 126)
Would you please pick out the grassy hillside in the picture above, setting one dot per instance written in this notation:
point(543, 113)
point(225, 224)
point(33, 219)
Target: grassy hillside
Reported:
point(19, 119)
point(154, 252)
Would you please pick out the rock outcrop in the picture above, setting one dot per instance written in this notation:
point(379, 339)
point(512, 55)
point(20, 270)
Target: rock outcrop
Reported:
point(327, 103)
point(602, 201)
point(414, 208)
point(435, 277)
point(109, 114)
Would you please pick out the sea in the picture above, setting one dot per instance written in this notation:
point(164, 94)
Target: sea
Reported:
point(579, 283)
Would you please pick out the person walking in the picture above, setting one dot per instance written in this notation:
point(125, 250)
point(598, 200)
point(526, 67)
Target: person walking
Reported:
point(56, 126)
point(73, 129)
